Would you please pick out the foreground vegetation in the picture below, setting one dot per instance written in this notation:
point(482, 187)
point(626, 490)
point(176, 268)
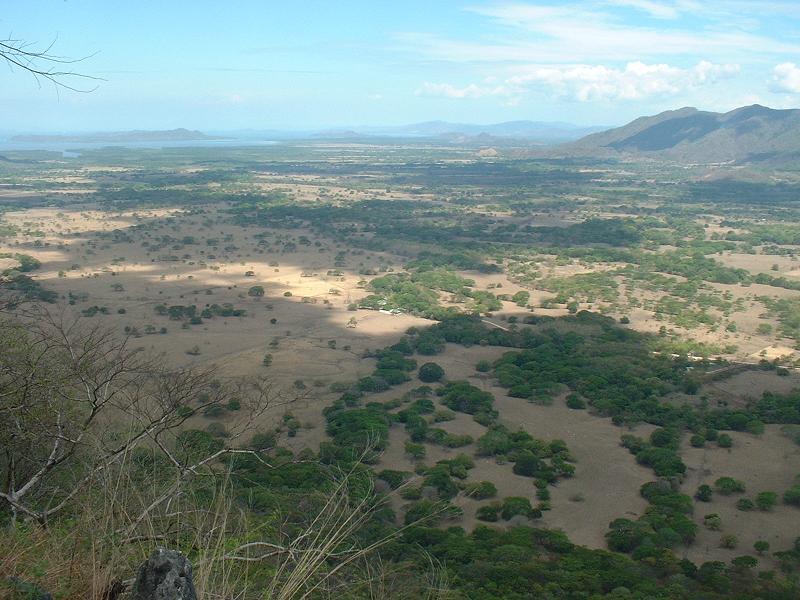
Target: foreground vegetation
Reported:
point(565, 286)
point(253, 515)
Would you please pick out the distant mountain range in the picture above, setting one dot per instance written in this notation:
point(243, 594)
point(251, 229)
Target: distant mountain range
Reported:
point(751, 134)
point(745, 135)
point(513, 132)
point(112, 137)
point(535, 130)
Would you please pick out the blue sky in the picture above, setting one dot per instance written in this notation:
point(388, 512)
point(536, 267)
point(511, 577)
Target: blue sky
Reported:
point(315, 64)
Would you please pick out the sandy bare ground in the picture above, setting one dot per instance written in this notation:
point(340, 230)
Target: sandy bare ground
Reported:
point(74, 233)
point(753, 383)
point(762, 263)
point(77, 259)
point(769, 462)
point(584, 505)
point(314, 343)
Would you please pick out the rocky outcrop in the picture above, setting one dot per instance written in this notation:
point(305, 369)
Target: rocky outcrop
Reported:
point(166, 575)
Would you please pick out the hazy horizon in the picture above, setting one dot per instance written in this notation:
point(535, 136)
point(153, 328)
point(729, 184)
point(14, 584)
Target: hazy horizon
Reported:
point(318, 66)
point(293, 130)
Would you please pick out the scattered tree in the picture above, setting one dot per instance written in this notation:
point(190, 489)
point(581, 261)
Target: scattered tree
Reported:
point(761, 546)
point(704, 493)
point(430, 372)
point(728, 485)
point(766, 500)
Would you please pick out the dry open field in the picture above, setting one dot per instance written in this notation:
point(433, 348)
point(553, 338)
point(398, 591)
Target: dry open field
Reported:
point(304, 323)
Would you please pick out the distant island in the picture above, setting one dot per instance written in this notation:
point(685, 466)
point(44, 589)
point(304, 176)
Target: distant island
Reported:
point(171, 135)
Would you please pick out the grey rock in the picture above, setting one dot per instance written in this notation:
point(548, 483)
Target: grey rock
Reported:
point(25, 590)
point(166, 575)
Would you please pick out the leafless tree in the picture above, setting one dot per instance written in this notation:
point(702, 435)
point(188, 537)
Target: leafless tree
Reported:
point(45, 65)
point(76, 402)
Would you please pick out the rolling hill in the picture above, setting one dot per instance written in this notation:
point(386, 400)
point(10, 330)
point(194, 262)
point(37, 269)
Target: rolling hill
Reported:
point(171, 135)
point(745, 135)
point(513, 132)
point(539, 130)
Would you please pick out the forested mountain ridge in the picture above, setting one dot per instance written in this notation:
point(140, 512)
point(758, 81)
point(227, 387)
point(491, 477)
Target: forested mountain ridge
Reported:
point(747, 134)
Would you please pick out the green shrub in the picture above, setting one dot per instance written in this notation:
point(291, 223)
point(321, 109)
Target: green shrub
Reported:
point(443, 415)
point(462, 396)
point(697, 441)
point(766, 500)
point(761, 546)
point(724, 440)
point(193, 445)
point(430, 372)
point(415, 450)
point(424, 511)
point(262, 441)
point(704, 493)
point(665, 462)
point(664, 438)
point(713, 522)
point(483, 366)
point(728, 485)
point(411, 493)
point(480, 490)
point(516, 505)
point(792, 496)
point(357, 428)
point(575, 402)
point(394, 478)
point(489, 512)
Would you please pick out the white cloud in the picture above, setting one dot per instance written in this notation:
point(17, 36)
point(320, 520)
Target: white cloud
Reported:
point(661, 9)
point(786, 78)
point(470, 91)
point(592, 31)
point(635, 81)
point(611, 50)
point(706, 72)
point(585, 83)
point(658, 10)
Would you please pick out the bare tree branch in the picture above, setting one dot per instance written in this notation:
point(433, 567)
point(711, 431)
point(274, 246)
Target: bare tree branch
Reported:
point(44, 65)
point(78, 402)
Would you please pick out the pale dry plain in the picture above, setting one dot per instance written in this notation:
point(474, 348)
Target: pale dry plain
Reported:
point(316, 341)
